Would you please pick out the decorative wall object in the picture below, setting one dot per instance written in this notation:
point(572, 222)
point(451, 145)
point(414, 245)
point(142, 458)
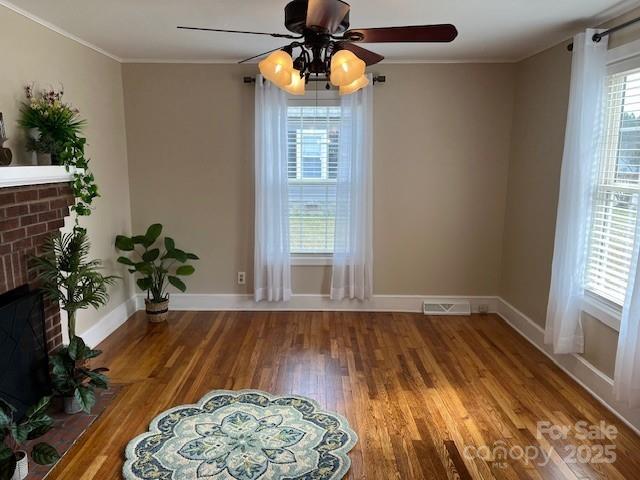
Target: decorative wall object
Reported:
point(5, 154)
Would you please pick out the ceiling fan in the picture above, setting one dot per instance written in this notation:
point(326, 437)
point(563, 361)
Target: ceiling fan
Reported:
point(327, 46)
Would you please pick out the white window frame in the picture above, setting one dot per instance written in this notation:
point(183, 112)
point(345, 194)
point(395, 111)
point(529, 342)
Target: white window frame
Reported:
point(620, 59)
point(310, 99)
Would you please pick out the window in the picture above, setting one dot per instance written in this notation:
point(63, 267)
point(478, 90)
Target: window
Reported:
point(313, 137)
point(615, 206)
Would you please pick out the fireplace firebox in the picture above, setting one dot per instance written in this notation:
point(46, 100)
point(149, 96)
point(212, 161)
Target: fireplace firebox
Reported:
point(24, 362)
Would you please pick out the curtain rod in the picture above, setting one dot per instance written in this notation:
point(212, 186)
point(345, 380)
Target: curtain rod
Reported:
point(598, 36)
point(376, 79)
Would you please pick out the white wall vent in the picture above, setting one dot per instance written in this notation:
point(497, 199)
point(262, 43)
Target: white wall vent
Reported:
point(446, 306)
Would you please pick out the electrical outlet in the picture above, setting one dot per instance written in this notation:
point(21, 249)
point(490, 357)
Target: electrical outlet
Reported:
point(241, 278)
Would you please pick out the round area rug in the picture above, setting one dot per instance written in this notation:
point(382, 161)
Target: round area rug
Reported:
point(243, 435)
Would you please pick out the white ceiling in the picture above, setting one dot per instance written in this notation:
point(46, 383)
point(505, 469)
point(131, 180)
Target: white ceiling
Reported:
point(502, 30)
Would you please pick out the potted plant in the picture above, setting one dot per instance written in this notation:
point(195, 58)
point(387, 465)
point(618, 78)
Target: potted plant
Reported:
point(73, 379)
point(158, 267)
point(51, 124)
point(14, 462)
point(67, 275)
point(55, 134)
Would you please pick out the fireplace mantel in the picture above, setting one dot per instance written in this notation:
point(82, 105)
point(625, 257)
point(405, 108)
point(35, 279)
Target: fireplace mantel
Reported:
point(33, 175)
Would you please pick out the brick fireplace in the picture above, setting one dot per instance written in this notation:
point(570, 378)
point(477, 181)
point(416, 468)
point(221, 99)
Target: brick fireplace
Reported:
point(28, 214)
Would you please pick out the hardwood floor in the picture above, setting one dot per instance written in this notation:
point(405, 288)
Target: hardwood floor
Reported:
point(423, 393)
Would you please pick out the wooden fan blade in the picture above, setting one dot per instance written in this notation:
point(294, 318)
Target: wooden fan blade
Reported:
point(326, 15)
point(276, 35)
point(369, 57)
point(418, 33)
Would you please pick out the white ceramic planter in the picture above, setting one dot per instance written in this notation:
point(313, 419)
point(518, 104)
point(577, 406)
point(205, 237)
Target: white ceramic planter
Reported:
point(22, 466)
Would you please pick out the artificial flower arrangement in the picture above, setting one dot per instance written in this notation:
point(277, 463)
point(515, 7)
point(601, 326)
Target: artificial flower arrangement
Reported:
point(55, 128)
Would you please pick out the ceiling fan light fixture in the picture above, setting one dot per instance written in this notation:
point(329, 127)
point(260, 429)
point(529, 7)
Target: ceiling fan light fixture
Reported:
point(297, 85)
point(353, 87)
point(346, 68)
point(277, 68)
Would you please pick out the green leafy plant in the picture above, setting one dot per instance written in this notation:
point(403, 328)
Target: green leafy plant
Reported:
point(72, 378)
point(67, 275)
point(59, 132)
point(158, 267)
point(14, 434)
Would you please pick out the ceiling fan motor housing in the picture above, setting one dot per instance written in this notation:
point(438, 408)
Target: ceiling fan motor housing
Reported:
point(295, 18)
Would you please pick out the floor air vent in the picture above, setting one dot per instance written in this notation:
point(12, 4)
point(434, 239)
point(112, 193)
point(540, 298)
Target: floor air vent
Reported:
point(446, 307)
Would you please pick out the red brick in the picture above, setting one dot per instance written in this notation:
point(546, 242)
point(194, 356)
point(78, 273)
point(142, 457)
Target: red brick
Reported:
point(63, 212)
point(54, 330)
point(13, 235)
point(59, 203)
point(16, 211)
point(26, 196)
point(55, 224)
point(65, 190)
point(28, 220)
point(48, 192)
point(8, 198)
point(50, 215)
point(39, 207)
point(36, 229)
point(22, 244)
point(9, 224)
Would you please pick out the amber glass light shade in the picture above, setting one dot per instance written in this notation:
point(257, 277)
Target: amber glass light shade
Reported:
point(296, 87)
point(277, 68)
point(353, 87)
point(346, 68)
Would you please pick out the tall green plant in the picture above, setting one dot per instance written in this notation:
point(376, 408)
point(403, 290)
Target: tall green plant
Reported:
point(59, 128)
point(158, 268)
point(14, 433)
point(69, 277)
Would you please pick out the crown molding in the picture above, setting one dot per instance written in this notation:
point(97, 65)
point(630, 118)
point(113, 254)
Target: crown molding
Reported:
point(58, 30)
point(616, 11)
point(603, 17)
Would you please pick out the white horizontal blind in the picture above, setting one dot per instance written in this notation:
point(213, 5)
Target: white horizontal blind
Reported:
point(313, 134)
point(612, 233)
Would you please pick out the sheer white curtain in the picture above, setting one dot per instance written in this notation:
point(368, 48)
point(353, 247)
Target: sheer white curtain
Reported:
point(272, 265)
point(579, 161)
point(352, 274)
point(627, 373)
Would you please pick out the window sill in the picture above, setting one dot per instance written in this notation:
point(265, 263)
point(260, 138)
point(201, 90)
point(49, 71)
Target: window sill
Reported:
point(311, 260)
point(601, 310)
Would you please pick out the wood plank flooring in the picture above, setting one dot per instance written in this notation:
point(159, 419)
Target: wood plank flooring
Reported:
point(430, 397)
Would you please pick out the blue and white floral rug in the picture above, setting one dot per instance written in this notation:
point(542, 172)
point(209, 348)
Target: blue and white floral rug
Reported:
point(243, 435)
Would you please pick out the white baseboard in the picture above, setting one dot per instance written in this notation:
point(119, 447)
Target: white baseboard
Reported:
point(598, 384)
point(302, 302)
point(110, 322)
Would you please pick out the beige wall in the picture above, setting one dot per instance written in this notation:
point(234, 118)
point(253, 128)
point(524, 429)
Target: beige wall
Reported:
point(537, 142)
point(93, 83)
point(440, 169)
